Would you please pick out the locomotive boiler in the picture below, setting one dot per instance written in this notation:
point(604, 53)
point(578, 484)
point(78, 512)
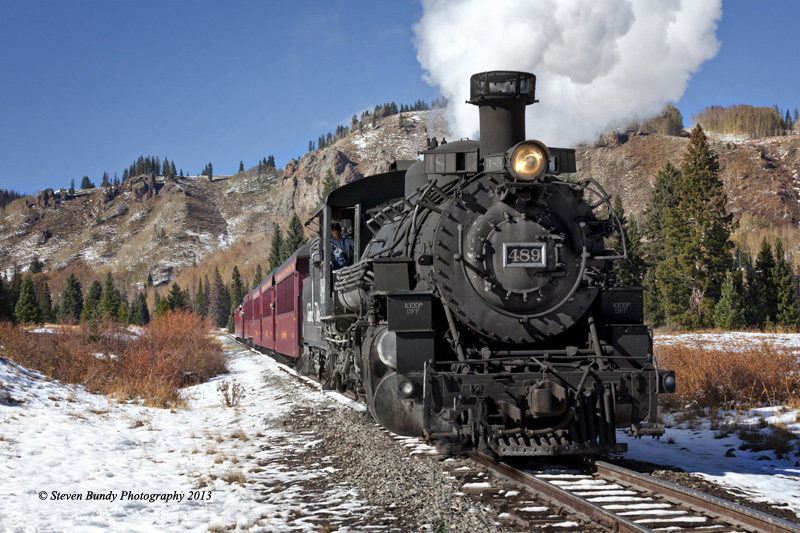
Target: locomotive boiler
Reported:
point(481, 306)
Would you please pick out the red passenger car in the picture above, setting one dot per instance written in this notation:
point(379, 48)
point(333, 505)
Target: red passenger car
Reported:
point(271, 313)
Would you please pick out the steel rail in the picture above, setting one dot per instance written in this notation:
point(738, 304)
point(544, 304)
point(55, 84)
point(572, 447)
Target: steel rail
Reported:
point(723, 510)
point(560, 497)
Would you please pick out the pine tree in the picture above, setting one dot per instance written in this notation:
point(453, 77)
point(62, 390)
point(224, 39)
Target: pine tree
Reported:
point(271, 162)
point(71, 304)
point(662, 198)
point(210, 171)
point(110, 300)
point(764, 287)
point(105, 182)
point(86, 183)
point(276, 249)
point(175, 298)
point(698, 231)
point(14, 290)
point(27, 309)
point(237, 288)
point(4, 312)
point(92, 301)
point(241, 166)
point(144, 313)
point(786, 308)
point(729, 312)
point(162, 307)
point(258, 277)
point(72, 187)
point(36, 265)
point(295, 237)
point(200, 302)
point(45, 300)
point(329, 184)
point(149, 279)
point(219, 303)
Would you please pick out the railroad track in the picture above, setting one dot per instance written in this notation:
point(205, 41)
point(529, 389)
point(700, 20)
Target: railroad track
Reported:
point(627, 501)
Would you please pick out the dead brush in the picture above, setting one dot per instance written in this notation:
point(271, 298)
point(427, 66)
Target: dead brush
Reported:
point(740, 376)
point(171, 352)
point(230, 393)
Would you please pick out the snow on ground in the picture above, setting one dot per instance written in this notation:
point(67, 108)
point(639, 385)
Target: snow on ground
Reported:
point(730, 339)
point(201, 467)
point(695, 448)
point(208, 466)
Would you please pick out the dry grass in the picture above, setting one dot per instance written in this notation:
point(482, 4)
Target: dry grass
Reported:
point(172, 352)
point(741, 376)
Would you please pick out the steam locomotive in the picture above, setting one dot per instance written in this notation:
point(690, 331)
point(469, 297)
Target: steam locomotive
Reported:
point(481, 306)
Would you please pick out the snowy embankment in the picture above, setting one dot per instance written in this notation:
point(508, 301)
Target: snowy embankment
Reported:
point(690, 443)
point(199, 468)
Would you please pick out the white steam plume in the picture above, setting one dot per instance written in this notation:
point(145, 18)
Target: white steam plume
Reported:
point(598, 63)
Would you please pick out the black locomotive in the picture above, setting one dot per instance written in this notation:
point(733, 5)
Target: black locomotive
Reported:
point(481, 305)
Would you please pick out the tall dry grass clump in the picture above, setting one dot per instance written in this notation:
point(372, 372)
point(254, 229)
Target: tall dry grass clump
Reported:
point(171, 352)
point(741, 375)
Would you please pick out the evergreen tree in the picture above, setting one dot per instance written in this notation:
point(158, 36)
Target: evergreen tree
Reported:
point(71, 304)
point(786, 308)
point(125, 175)
point(729, 312)
point(629, 272)
point(110, 300)
point(14, 288)
point(210, 171)
point(175, 298)
point(698, 232)
point(92, 301)
point(662, 199)
point(329, 184)
point(162, 307)
point(86, 183)
point(72, 187)
point(764, 289)
point(144, 313)
point(219, 304)
point(45, 302)
point(105, 182)
point(149, 279)
point(241, 166)
point(295, 237)
point(231, 321)
point(172, 171)
point(271, 162)
point(165, 168)
point(27, 309)
point(200, 302)
point(36, 265)
point(258, 277)
point(4, 313)
point(276, 249)
point(237, 288)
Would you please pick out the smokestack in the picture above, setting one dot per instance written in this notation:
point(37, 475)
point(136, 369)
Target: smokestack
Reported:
point(501, 96)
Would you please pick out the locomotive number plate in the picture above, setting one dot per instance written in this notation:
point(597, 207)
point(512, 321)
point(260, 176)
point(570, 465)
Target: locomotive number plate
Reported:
point(524, 254)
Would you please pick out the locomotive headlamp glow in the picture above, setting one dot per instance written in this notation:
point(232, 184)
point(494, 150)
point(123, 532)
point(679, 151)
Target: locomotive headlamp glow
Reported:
point(528, 160)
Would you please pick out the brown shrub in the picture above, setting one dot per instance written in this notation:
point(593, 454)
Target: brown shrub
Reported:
point(173, 351)
point(740, 376)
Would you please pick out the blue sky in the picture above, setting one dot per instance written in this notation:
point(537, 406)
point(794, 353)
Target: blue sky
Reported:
point(88, 86)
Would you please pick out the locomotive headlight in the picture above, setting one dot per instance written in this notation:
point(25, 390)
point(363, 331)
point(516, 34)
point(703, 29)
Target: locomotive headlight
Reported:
point(387, 348)
point(528, 160)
